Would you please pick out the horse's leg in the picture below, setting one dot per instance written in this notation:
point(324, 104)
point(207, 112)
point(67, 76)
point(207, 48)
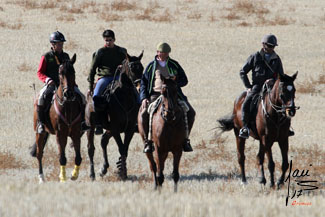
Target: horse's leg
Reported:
point(41, 140)
point(284, 146)
point(121, 164)
point(76, 144)
point(177, 157)
point(271, 164)
point(91, 151)
point(241, 154)
point(160, 167)
point(104, 141)
point(260, 160)
point(153, 168)
point(61, 139)
point(33, 148)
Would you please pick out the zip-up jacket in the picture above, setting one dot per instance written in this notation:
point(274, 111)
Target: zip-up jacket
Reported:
point(49, 66)
point(260, 70)
point(148, 77)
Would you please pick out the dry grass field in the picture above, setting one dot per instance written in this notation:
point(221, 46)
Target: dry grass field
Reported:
point(211, 39)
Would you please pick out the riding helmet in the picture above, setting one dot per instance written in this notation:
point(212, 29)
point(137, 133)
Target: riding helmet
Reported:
point(57, 37)
point(270, 39)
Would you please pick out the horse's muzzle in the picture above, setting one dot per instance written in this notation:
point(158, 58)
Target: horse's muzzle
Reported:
point(291, 111)
point(69, 95)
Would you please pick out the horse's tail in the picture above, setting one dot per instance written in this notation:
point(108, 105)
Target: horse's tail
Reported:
point(226, 123)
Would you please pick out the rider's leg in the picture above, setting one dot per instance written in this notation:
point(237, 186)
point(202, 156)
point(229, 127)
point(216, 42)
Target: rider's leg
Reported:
point(44, 100)
point(244, 131)
point(189, 116)
point(99, 101)
point(147, 122)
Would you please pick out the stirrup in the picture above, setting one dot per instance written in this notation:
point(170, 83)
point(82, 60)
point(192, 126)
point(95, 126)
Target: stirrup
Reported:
point(187, 146)
point(40, 128)
point(84, 127)
point(291, 133)
point(148, 147)
point(99, 130)
point(244, 133)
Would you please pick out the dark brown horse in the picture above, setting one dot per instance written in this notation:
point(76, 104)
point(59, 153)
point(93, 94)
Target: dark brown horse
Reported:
point(168, 133)
point(64, 121)
point(119, 116)
point(275, 110)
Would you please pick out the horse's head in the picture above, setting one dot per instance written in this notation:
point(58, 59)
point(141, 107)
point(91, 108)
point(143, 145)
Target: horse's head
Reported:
point(169, 92)
point(67, 79)
point(134, 68)
point(285, 94)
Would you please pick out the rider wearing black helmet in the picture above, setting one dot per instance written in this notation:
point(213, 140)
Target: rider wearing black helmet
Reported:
point(265, 65)
point(48, 73)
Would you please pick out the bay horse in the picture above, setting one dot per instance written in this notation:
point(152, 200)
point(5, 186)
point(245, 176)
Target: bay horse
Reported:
point(120, 115)
point(168, 133)
point(63, 120)
point(275, 109)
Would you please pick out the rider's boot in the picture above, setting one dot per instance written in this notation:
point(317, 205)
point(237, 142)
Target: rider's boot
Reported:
point(187, 146)
point(40, 119)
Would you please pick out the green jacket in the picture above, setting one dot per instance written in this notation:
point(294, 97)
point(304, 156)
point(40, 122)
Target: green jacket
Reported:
point(105, 61)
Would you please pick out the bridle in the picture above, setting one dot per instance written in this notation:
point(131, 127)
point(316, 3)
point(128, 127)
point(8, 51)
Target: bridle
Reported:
point(69, 95)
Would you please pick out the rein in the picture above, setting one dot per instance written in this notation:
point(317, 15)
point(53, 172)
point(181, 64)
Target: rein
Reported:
point(278, 109)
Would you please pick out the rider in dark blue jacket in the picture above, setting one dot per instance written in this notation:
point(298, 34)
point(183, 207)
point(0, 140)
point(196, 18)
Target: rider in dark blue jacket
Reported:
point(151, 86)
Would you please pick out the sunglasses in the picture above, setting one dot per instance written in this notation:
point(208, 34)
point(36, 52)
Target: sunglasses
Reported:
point(269, 45)
point(109, 39)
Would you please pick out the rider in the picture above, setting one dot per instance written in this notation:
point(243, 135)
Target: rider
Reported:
point(48, 73)
point(265, 64)
point(151, 87)
point(106, 60)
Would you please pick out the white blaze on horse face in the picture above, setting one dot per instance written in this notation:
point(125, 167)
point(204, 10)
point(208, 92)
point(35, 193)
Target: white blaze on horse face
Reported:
point(290, 88)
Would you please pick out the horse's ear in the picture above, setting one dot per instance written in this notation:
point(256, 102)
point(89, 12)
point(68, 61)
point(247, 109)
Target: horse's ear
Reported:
point(295, 75)
point(141, 55)
point(73, 59)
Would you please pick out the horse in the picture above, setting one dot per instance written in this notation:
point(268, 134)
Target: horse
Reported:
point(120, 115)
point(168, 133)
point(274, 112)
point(63, 120)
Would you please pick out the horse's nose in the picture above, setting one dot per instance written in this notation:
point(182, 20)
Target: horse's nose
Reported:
point(68, 94)
point(291, 112)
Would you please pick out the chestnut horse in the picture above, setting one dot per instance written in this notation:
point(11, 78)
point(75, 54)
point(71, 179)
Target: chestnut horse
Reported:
point(168, 133)
point(120, 115)
point(64, 120)
point(272, 123)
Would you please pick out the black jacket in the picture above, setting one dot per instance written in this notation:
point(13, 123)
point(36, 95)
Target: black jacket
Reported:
point(262, 69)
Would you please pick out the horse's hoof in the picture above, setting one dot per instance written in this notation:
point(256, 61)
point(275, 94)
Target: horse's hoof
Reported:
point(272, 185)
point(279, 185)
point(243, 183)
point(92, 177)
point(41, 179)
point(262, 181)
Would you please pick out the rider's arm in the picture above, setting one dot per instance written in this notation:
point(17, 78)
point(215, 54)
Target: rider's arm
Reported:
point(246, 68)
point(41, 71)
point(92, 72)
point(181, 77)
